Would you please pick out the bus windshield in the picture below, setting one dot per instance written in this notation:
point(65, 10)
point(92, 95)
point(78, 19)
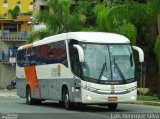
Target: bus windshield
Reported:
point(104, 62)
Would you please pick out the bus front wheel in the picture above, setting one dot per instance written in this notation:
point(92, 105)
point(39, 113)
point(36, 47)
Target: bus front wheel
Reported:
point(66, 99)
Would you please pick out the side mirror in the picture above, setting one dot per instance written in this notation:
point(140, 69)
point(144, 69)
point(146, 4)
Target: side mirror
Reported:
point(80, 52)
point(140, 52)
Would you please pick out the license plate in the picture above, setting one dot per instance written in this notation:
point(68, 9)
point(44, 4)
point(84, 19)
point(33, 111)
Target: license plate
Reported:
point(112, 98)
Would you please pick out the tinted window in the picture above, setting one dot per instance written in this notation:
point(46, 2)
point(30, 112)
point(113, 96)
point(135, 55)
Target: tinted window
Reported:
point(44, 54)
point(21, 58)
point(26, 57)
point(74, 58)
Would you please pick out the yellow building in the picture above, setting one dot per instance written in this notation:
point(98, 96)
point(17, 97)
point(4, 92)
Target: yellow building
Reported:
point(25, 6)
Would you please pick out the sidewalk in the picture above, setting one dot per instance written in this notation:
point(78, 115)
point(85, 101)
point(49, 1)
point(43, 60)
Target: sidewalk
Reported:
point(147, 100)
point(151, 103)
point(8, 93)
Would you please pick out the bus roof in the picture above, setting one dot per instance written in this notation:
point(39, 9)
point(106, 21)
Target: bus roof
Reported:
point(90, 37)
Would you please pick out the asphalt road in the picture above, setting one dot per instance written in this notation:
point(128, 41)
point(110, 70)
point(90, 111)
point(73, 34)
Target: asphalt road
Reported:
point(16, 108)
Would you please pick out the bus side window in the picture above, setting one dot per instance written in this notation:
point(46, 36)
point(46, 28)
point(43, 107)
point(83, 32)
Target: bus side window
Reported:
point(32, 57)
point(20, 58)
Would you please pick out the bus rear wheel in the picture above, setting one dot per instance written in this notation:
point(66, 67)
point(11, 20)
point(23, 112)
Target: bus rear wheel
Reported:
point(29, 99)
point(112, 106)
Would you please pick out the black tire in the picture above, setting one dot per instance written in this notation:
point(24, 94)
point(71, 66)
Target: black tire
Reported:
point(112, 106)
point(67, 104)
point(61, 103)
point(29, 99)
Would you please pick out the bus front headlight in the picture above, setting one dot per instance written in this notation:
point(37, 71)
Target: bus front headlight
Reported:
point(133, 98)
point(89, 97)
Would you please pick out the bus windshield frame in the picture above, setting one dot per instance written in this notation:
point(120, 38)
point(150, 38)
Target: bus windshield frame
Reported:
point(108, 63)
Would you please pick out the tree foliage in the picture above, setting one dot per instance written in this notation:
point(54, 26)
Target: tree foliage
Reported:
point(157, 48)
point(14, 12)
point(153, 9)
point(101, 12)
point(128, 30)
point(58, 19)
point(117, 19)
point(40, 34)
point(85, 7)
point(120, 15)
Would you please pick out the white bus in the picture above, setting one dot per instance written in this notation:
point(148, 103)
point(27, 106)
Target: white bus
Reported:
point(78, 68)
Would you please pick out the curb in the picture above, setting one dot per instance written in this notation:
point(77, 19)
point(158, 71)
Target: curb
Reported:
point(8, 93)
point(150, 103)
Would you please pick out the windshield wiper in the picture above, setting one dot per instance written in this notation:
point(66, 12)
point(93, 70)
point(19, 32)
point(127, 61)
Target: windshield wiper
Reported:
point(119, 71)
point(103, 68)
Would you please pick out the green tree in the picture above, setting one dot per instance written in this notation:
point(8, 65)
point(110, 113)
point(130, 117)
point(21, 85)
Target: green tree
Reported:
point(157, 49)
point(119, 15)
point(128, 30)
point(58, 19)
point(85, 7)
point(14, 12)
point(119, 19)
point(101, 12)
point(154, 16)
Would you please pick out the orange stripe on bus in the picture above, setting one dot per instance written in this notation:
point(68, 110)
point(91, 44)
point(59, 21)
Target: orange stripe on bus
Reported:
point(27, 46)
point(31, 78)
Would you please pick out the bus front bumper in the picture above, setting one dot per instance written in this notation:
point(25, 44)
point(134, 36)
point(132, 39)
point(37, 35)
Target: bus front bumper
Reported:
point(89, 97)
